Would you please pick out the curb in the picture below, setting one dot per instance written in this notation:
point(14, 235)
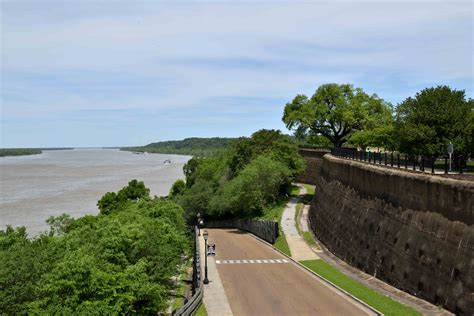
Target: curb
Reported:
point(301, 266)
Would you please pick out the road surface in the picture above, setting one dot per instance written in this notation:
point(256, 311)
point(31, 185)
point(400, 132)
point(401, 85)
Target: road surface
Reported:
point(260, 281)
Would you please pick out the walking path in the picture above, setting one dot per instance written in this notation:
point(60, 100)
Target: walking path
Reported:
point(215, 298)
point(298, 247)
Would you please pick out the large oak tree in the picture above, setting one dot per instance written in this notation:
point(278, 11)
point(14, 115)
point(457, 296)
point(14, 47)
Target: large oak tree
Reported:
point(336, 111)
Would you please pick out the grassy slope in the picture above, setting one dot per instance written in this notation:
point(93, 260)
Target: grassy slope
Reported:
point(201, 310)
point(381, 302)
point(275, 213)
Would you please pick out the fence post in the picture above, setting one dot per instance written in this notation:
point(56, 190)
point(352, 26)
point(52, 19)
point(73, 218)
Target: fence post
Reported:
point(406, 162)
point(433, 159)
point(415, 159)
point(391, 159)
point(380, 158)
point(460, 163)
point(445, 164)
point(385, 157)
point(398, 160)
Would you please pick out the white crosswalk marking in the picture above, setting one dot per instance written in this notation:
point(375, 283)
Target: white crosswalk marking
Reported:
point(268, 261)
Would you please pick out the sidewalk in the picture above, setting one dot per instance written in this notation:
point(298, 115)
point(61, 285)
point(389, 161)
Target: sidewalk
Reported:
point(215, 299)
point(298, 247)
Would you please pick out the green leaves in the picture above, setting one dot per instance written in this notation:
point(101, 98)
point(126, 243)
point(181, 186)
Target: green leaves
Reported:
point(112, 201)
point(335, 112)
point(252, 174)
point(120, 263)
point(426, 123)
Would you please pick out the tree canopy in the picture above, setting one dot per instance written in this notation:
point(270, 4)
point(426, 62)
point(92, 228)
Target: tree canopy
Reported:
point(241, 181)
point(121, 262)
point(337, 112)
point(426, 123)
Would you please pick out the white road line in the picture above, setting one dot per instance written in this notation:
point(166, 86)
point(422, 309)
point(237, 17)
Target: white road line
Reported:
point(268, 261)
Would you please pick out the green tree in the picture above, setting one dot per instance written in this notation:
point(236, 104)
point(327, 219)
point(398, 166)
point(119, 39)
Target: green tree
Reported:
point(426, 123)
point(134, 191)
point(268, 142)
point(259, 184)
point(335, 112)
point(177, 188)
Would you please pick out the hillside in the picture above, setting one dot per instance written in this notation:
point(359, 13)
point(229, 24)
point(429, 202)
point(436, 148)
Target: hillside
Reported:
point(201, 147)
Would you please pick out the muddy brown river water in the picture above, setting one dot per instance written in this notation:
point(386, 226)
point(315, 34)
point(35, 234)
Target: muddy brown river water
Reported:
point(32, 188)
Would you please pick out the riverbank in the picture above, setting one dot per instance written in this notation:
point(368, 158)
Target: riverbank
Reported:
point(55, 182)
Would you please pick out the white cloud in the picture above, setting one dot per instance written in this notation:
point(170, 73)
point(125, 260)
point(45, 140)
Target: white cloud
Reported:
point(58, 57)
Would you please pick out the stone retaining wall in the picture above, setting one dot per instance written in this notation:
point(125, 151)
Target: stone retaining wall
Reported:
point(411, 230)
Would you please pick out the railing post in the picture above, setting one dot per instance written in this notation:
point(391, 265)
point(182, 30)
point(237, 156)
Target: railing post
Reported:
point(460, 163)
point(391, 159)
point(380, 158)
point(406, 162)
point(398, 160)
point(433, 159)
point(385, 157)
point(414, 162)
point(422, 167)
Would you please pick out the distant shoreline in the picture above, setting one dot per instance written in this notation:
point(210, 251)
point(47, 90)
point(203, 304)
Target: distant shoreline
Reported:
point(13, 152)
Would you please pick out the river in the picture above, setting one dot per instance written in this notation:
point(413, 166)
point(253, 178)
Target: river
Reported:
point(33, 188)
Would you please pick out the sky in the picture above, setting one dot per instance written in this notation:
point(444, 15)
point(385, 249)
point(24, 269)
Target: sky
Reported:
point(119, 73)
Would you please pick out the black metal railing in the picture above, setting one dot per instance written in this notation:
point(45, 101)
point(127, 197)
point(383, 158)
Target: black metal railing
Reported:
point(409, 162)
point(192, 304)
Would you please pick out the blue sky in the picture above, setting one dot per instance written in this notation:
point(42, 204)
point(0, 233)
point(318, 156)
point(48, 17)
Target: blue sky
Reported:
point(110, 73)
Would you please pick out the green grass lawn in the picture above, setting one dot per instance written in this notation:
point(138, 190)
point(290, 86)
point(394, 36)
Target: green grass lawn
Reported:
point(295, 190)
point(201, 310)
point(309, 189)
point(282, 245)
point(275, 213)
point(378, 301)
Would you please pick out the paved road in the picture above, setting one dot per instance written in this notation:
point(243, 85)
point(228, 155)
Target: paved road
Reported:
point(274, 287)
